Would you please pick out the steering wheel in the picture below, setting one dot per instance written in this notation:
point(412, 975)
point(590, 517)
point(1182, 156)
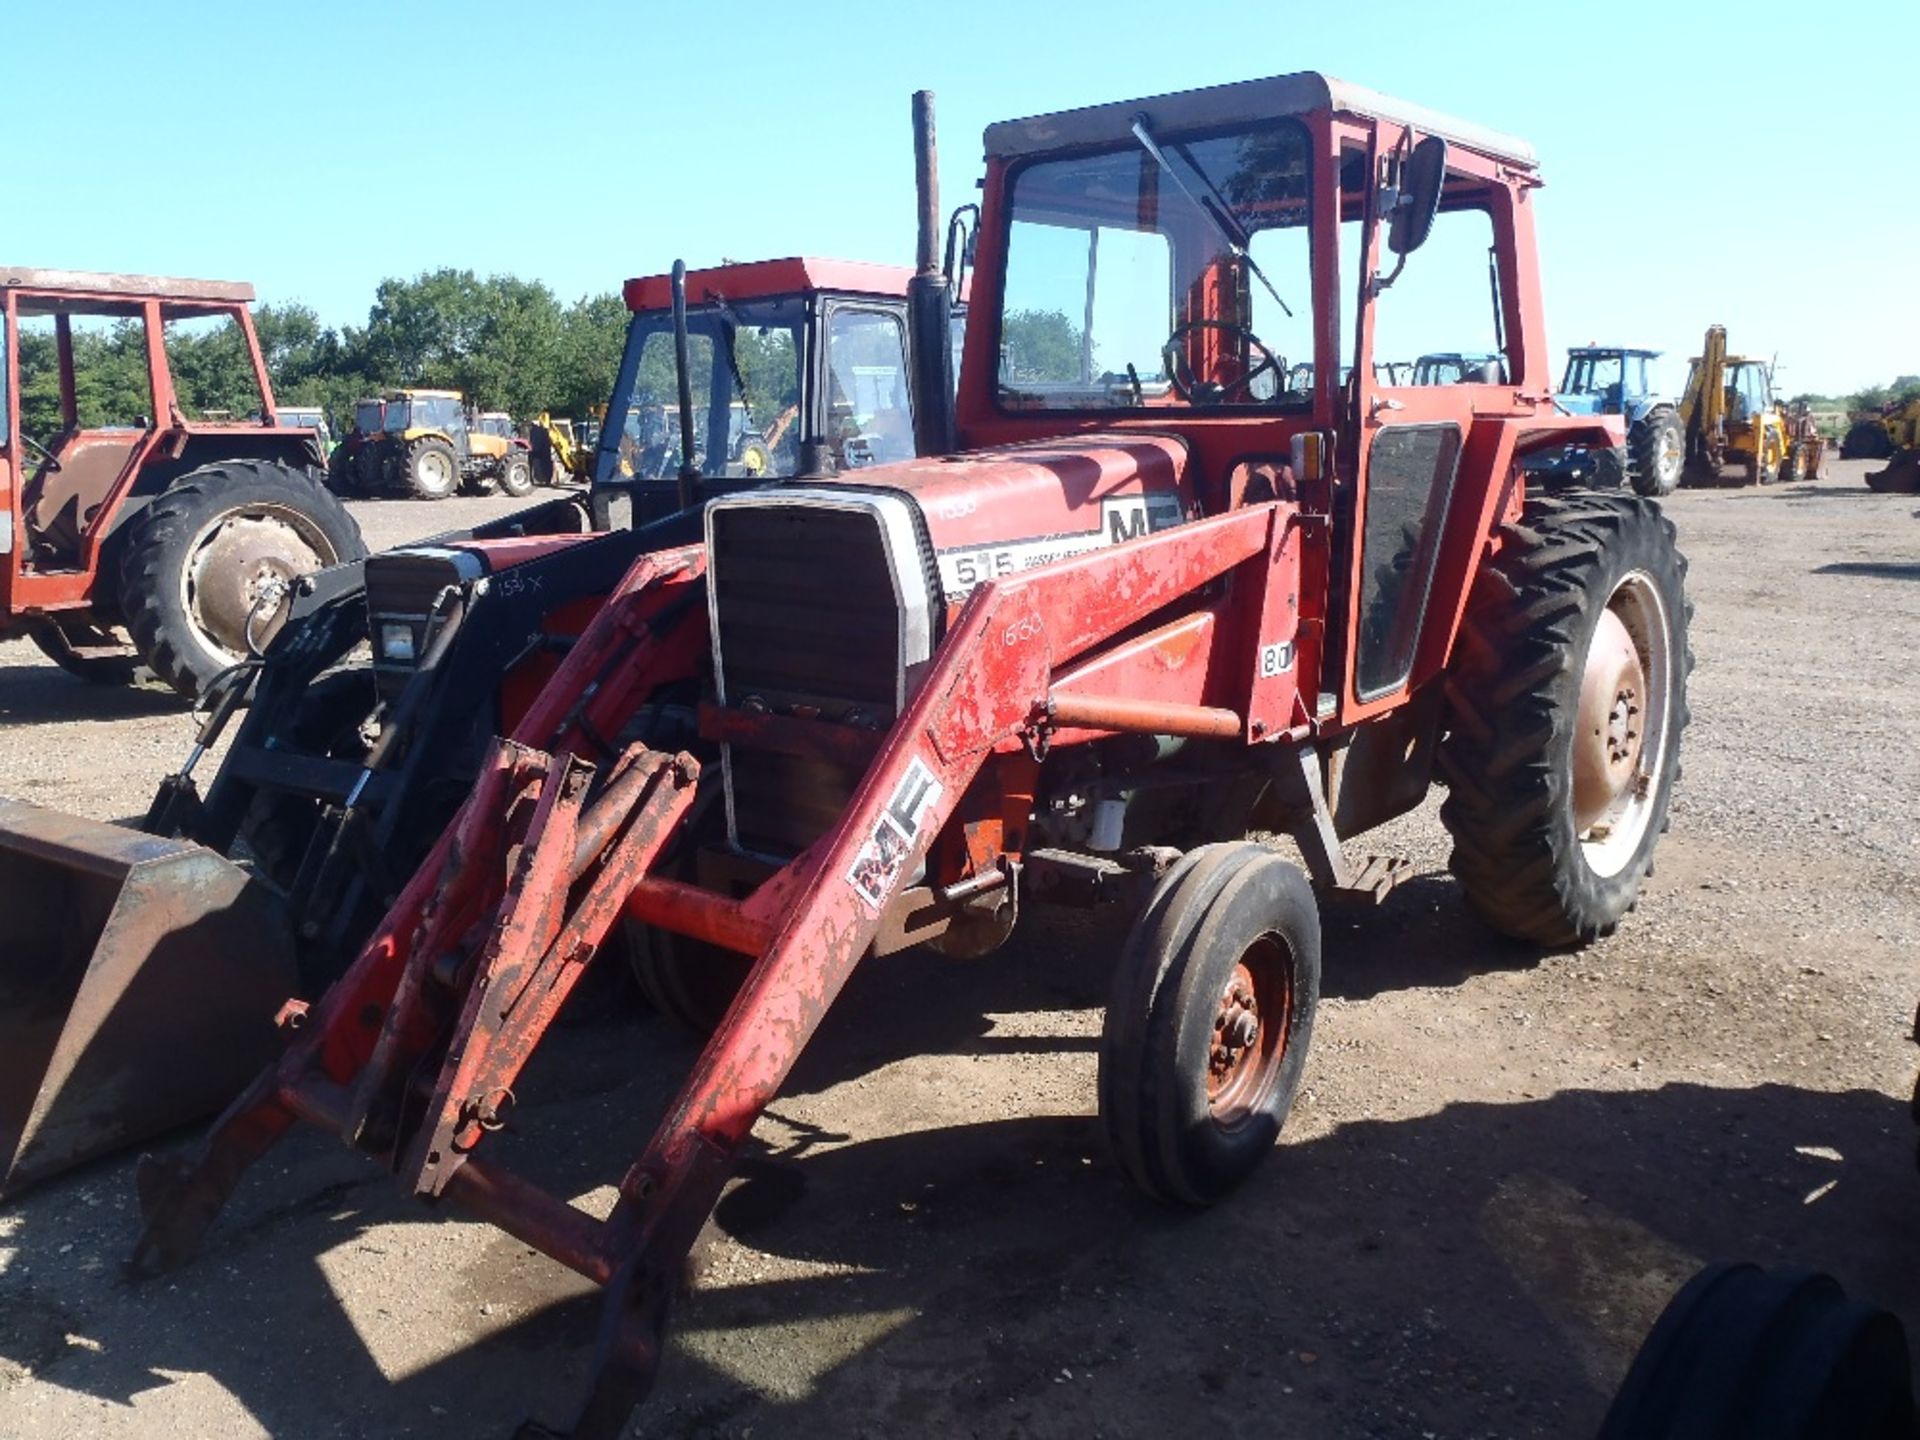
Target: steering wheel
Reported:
point(45, 454)
point(1208, 392)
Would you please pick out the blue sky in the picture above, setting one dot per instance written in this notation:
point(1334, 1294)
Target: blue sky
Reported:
point(1704, 162)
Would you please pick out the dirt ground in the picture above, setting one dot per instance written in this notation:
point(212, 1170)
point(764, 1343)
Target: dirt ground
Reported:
point(1502, 1164)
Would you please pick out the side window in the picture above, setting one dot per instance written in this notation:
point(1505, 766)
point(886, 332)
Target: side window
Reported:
point(1442, 310)
point(1410, 470)
point(111, 389)
point(212, 373)
point(869, 416)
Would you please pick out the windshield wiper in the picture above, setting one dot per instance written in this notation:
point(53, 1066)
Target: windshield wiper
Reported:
point(1213, 205)
point(730, 325)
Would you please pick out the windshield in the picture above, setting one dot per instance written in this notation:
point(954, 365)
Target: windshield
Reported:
point(399, 415)
point(746, 407)
point(1166, 272)
point(1592, 374)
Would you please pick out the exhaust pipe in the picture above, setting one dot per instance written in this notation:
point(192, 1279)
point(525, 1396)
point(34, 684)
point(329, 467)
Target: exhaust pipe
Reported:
point(929, 303)
point(683, 377)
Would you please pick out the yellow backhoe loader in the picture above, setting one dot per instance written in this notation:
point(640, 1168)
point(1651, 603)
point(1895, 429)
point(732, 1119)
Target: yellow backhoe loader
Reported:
point(1892, 435)
point(1736, 432)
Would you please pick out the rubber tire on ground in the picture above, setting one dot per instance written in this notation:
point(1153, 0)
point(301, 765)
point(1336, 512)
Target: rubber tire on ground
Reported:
point(483, 483)
point(1648, 445)
point(516, 474)
point(1748, 1354)
point(343, 476)
point(1866, 440)
point(756, 460)
point(429, 489)
point(157, 546)
point(1611, 467)
point(1513, 694)
point(1209, 911)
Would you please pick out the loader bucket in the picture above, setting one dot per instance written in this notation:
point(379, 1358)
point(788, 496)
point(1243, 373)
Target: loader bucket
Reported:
point(139, 979)
point(1902, 475)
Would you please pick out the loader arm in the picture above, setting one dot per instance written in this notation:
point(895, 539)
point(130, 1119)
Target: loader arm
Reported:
point(540, 860)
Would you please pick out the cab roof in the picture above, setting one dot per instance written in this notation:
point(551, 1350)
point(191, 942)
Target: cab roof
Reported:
point(424, 395)
point(92, 292)
point(765, 279)
point(1300, 94)
point(1612, 350)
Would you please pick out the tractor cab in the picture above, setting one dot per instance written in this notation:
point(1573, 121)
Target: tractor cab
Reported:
point(1606, 380)
point(795, 367)
point(1457, 369)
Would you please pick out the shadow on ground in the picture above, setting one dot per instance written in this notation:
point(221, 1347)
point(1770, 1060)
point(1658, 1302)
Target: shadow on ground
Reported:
point(1483, 1270)
point(42, 694)
point(1873, 569)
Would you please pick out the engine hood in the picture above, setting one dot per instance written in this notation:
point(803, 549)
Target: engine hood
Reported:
point(996, 512)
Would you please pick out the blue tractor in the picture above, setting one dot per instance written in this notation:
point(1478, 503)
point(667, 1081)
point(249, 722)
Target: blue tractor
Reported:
point(1612, 380)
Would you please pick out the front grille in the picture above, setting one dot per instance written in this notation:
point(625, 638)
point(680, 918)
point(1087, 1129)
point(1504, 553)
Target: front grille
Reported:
point(403, 587)
point(821, 607)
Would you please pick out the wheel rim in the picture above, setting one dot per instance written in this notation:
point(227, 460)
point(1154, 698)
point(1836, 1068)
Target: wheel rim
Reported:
point(246, 561)
point(1671, 455)
point(435, 471)
point(1620, 736)
point(1253, 1016)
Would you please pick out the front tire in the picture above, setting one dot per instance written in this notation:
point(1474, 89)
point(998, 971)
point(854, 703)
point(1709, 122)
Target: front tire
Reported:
point(1208, 1023)
point(1566, 703)
point(199, 559)
point(1659, 451)
point(516, 474)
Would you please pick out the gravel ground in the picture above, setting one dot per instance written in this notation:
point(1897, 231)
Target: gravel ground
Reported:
point(1502, 1164)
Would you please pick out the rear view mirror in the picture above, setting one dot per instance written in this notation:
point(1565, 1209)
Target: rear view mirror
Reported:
point(1421, 178)
point(963, 229)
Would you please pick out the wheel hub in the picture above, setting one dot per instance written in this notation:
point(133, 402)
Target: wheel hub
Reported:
point(1606, 752)
point(1236, 1033)
point(246, 562)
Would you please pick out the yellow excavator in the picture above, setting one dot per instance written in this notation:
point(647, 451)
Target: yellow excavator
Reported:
point(1892, 435)
point(1736, 432)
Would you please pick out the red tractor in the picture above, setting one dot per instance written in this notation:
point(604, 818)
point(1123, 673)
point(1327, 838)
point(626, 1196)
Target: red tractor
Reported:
point(1141, 606)
point(133, 532)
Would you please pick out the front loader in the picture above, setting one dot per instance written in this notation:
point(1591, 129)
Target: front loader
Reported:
point(1152, 606)
point(358, 735)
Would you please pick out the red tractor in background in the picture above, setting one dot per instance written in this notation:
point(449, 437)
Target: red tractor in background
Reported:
point(133, 532)
point(1140, 605)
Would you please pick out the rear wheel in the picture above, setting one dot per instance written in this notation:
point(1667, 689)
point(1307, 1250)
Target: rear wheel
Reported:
point(756, 460)
point(516, 474)
point(430, 470)
point(343, 475)
point(1659, 450)
point(1566, 702)
point(1208, 1023)
point(203, 564)
point(1866, 440)
point(689, 981)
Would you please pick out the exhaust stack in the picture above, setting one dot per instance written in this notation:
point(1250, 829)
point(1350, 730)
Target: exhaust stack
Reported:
point(929, 303)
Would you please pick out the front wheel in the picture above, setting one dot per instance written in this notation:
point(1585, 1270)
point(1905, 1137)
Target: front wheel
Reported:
point(516, 474)
point(1208, 1023)
point(1566, 702)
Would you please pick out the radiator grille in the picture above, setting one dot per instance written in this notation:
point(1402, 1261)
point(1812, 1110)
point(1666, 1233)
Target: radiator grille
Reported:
point(820, 607)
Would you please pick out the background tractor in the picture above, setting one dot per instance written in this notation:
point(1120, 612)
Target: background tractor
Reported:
point(1893, 434)
point(1136, 605)
point(1735, 430)
point(353, 744)
point(514, 473)
point(1613, 380)
point(430, 447)
point(134, 533)
point(354, 466)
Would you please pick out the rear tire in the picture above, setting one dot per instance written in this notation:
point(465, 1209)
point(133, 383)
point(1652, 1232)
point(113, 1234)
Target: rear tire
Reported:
point(1521, 715)
point(430, 469)
point(198, 559)
point(689, 981)
point(1659, 451)
point(1866, 440)
point(516, 474)
point(1208, 1022)
point(343, 476)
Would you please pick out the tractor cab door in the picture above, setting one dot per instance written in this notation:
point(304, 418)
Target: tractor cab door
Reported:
point(1408, 438)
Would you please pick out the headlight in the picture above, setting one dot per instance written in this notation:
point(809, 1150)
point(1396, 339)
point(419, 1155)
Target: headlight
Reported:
point(396, 643)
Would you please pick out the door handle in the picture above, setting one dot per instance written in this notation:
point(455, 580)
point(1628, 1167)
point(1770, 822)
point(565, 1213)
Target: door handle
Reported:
point(1381, 403)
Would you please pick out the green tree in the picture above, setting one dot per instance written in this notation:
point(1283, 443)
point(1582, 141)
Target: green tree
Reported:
point(1041, 345)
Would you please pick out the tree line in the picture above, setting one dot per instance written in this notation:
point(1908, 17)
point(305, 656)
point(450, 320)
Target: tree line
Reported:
point(507, 343)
